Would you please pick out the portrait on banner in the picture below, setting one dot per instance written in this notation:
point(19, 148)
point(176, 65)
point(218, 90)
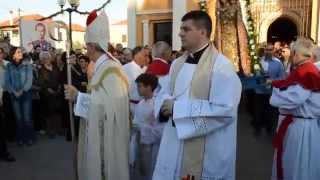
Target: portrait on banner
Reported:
point(35, 35)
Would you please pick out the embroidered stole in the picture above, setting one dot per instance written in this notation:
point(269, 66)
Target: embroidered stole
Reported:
point(194, 148)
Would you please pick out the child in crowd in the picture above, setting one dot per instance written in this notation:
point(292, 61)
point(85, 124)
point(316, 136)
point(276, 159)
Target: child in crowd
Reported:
point(150, 130)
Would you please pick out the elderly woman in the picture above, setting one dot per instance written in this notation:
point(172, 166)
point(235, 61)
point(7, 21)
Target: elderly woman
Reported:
point(49, 93)
point(298, 99)
point(18, 82)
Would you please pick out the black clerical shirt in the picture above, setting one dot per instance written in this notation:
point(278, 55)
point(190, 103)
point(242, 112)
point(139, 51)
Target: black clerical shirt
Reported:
point(194, 58)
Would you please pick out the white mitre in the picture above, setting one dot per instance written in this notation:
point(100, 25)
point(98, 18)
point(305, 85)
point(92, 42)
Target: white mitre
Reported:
point(98, 29)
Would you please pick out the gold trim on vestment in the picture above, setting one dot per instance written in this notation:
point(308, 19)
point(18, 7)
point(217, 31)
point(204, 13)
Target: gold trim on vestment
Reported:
point(108, 71)
point(194, 148)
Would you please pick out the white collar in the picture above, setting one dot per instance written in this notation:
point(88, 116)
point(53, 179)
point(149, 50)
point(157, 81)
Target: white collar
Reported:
point(199, 49)
point(100, 61)
point(160, 59)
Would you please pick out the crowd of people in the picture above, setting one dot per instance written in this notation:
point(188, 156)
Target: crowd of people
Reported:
point(32, 93)
point(276, 63)
point(32, 87)
point(162, 113)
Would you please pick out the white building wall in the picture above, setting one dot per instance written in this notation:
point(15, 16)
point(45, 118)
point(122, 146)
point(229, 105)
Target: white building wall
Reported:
point(116, 34)
point(179, 8)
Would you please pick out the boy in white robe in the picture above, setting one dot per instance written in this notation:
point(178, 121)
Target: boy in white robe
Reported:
point(149, 128)
point(298, 99)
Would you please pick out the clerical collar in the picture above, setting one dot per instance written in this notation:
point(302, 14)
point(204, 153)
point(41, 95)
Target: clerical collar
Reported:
point(194, 58)
point(160, 59)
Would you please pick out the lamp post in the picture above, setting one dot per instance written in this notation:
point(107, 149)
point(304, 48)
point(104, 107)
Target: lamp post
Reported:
point(74, 4)
point(73, 7)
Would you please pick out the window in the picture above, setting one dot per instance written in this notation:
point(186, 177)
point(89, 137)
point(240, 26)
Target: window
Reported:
point(163, 32)
point(15, 33)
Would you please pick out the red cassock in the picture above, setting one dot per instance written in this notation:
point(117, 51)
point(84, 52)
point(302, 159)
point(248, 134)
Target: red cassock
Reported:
point(158, 67)
point(306, 75)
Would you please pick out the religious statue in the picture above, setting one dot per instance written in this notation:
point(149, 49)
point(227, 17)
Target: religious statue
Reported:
point(231, 36)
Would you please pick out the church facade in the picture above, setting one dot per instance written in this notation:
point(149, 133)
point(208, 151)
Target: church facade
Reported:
point(274, 20)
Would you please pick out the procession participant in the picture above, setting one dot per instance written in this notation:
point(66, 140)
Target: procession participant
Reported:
point(133, 69)
point(160, 66)
point(149, 128)
point(298, 99)
point(316, 56)
point(106, 108)
point(161, 53)
point(201, 99)
point(265, 116)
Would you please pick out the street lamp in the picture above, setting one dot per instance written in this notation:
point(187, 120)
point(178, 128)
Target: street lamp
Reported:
point(74, 4)
point(203, 5)
point(61, 3)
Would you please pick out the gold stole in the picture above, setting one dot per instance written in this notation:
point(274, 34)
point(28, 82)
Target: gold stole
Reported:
point(193, 150)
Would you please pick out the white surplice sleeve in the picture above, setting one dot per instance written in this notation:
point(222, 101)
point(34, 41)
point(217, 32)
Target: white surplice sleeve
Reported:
point(290, 98)
point(194, 117)
point(162, 95)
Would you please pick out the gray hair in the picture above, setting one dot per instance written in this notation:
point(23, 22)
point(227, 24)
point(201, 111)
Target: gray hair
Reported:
point(159, 49)
point(44, 55)
point(96, 47)
point(303, 46)
point(316, 54)
point(127, 51)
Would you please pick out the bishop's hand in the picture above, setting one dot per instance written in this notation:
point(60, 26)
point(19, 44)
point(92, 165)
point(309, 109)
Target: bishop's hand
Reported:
point(70, 92)
point(167, 108)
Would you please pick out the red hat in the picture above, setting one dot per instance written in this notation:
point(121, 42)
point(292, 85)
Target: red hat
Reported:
point(91, 17)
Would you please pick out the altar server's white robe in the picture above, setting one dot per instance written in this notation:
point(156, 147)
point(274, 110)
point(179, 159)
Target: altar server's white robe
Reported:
point(215, 119)
point(301, 147)
point(133, 70)
point(317, 64)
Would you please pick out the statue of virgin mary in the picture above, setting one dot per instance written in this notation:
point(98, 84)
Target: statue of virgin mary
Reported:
point(231, 36)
